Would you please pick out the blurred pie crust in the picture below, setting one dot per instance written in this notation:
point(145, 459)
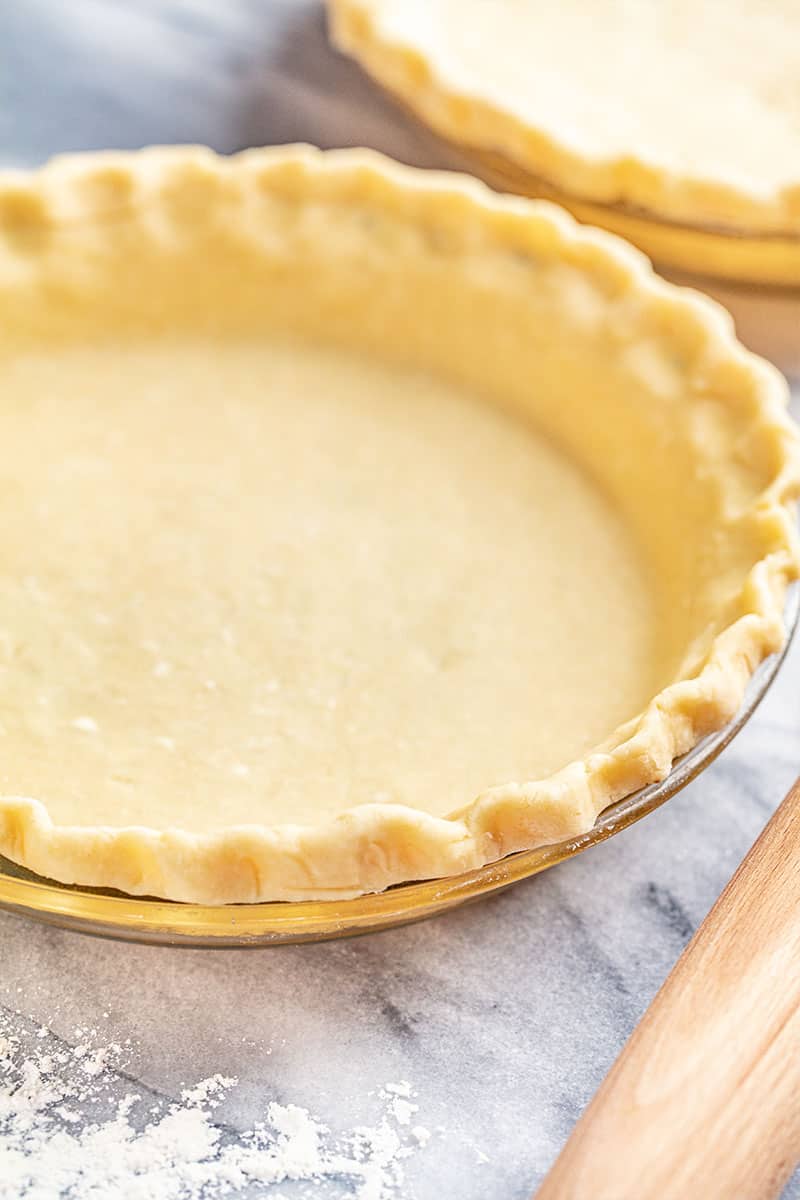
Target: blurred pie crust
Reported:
point(686, 111)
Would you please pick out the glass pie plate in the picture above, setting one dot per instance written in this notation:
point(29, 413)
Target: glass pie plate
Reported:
point(755, 276)
point(106, 913)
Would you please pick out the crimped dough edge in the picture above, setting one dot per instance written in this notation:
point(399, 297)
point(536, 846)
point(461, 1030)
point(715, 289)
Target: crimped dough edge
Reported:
point(475, 123)
point(373, 846)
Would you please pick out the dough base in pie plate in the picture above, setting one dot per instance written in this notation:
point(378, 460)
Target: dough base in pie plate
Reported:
point(747, 257)
point(637, 106)
point(164, 922)
point(360, 527)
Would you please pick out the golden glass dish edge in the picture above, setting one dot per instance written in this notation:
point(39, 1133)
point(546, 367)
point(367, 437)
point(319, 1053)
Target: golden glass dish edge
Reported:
point(172, 923)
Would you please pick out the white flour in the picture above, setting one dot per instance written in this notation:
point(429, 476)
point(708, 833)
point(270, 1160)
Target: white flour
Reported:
point(73, 1128)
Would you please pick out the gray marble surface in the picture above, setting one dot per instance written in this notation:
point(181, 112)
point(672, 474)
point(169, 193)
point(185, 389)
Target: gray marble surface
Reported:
point(504, 1016)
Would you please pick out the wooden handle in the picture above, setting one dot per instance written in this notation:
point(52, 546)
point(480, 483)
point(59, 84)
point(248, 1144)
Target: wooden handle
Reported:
point(704, 1100)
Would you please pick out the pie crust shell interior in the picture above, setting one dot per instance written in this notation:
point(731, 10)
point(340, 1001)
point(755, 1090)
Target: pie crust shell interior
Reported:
point(359, 525)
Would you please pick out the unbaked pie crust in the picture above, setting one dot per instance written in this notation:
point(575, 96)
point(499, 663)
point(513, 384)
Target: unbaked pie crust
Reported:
point(358, 525)
point(687, 110)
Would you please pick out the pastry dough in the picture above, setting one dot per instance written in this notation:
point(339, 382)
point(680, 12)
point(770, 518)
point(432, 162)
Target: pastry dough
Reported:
point(358, 525)
point(687, 109)
point(311, 581)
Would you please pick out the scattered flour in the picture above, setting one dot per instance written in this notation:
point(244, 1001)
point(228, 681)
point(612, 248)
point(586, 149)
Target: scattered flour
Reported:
point(397, 1097)
point(73, 1127)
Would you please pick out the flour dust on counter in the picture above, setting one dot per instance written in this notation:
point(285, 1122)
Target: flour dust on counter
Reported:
point(140, 1145)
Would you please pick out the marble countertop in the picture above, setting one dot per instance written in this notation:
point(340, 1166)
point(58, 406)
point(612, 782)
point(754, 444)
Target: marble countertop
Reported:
point(503, 1016)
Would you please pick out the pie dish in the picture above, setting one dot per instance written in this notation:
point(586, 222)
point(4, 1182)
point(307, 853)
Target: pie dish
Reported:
point(683, 110)
point(361, 525)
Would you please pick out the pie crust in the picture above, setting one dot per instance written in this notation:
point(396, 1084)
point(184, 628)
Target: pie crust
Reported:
point(360, 525)
point(688, 112)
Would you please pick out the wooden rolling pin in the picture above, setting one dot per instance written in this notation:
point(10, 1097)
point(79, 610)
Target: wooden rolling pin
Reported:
point(703, 1103)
